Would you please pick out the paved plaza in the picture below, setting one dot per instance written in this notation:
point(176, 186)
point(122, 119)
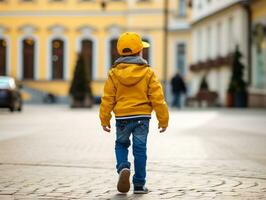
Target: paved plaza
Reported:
point(53, 152)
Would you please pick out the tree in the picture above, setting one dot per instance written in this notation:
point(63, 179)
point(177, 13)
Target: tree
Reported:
point(80, 89)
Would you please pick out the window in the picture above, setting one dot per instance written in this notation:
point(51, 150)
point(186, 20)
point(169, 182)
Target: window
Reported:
point(219, 43)
point(199, 4)
point(231, 34)
point(28, 45)
point(113, 51)
point(209, 41)
point(181, 58)
point(57, 59)
point(199, 45)
point(3, 55)
point(182, 8)
point(87, 53)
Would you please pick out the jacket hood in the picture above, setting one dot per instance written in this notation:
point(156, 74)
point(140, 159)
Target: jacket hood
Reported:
point(129, 73)
point(131, 60)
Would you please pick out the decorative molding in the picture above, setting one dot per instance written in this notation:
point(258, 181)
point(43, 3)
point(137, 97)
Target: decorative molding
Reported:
point(115, 30)
point(84, 13)
point(144, 1)
point(56, 1)
point(86, 29)
point(28, 29)
point(3, 29)
point(86, 1)
point(57, 29)
point(27, 1)
point(220, 6)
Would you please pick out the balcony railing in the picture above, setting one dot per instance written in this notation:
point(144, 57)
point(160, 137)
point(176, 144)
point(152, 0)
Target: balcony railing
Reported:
point(212, 63)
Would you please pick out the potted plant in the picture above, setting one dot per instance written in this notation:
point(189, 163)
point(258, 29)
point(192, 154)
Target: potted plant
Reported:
point(204, 84)
point(237, 91)
point(80, 90)
point(230, 95)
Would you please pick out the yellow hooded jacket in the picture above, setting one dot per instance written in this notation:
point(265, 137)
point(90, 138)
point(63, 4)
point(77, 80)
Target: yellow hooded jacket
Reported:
point(133, 89)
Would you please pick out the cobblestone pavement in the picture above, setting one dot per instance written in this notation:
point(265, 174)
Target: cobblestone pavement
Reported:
point(58, 153)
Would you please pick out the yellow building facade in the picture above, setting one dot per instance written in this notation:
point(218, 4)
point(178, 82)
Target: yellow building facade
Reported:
point(40, 39)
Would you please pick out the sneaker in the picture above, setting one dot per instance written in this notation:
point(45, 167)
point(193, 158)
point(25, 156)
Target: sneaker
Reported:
point(140, 190)
point(123, 184)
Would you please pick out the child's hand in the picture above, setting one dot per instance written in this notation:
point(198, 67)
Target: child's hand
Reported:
point(107, 128)
point(161, 129)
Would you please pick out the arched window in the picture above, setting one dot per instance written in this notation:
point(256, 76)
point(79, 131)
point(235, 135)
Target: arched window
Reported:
point(113, 51)
point(3, 60)
point(87, 53)
point(28, 58)
point(57, 59)
point(146, 51)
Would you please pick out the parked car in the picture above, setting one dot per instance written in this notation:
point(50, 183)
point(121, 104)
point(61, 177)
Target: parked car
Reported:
point(10, 95)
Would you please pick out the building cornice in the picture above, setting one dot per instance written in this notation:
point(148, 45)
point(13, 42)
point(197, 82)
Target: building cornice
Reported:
point(216, 11)
point(52, 13)
point(78, 13)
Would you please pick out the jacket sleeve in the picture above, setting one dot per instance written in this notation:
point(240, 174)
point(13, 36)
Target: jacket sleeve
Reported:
point(107, 102)
point(156, 96)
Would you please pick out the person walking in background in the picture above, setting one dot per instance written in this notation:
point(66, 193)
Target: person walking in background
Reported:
point(132, 91)
point(178, 88)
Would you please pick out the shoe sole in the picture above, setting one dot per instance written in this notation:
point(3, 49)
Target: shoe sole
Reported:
point(140, 192)
point(123, 184)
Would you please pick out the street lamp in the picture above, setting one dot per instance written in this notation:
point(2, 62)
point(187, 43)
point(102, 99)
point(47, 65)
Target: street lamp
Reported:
point(165, 46)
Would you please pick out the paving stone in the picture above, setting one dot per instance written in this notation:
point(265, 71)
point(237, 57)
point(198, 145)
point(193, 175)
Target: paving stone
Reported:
point(63, 154)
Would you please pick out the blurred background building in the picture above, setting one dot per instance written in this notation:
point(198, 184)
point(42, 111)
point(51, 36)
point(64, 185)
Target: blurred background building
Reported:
point(258, 70)
point(217, 28)
point(40, 39)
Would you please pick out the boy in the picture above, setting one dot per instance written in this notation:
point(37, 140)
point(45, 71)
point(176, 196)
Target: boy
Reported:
point(132, 91)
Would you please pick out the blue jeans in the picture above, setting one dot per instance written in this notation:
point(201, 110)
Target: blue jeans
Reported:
point(139, 129)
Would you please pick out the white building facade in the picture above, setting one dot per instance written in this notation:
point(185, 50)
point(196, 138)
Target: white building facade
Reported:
point(217, 28)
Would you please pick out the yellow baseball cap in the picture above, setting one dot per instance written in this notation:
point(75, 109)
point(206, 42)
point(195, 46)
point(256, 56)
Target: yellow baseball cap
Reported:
point(130, 43)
